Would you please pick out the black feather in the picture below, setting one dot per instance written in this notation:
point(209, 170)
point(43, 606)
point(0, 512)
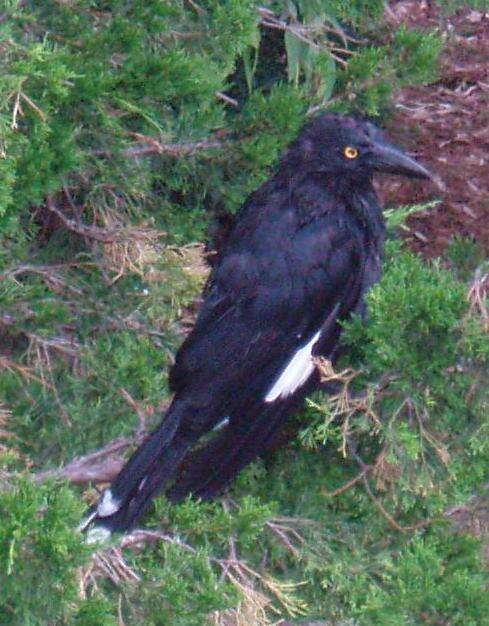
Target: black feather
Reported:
point(303, 250)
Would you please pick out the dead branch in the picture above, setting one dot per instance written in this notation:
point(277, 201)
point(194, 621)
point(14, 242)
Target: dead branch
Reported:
point(258, 591)
point(149, 145)
point(42, 347)
point(65, 347)
point(348, 485)
point(100, 466)
point(225, 98)
point(33, 105)
point(328, 373)
point(140, 411)
point(103, 465)
point(286, 536)
point(16, 368)
point(478, 297)
point(48, 273)
point(91, 232)
point(380, 507)
point(135, 249)
point(304, 32)
point(388, 516)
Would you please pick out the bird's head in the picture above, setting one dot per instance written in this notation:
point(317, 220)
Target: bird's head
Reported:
point(357, 148)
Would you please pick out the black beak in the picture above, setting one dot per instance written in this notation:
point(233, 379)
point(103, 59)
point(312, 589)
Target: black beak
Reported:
point(389, 159)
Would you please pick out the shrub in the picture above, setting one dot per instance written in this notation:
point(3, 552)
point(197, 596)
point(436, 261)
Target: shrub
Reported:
point(125, 128)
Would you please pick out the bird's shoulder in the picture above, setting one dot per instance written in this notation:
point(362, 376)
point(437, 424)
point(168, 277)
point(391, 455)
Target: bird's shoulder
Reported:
point(278, 213)
point(279, 275)
point(282, 234)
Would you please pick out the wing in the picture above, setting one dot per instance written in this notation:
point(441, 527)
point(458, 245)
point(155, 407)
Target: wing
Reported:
point(276, 298)
point(281, 287)
point(280, 324)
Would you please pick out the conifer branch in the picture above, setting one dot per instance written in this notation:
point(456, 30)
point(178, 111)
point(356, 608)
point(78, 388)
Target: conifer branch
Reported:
point(92, 232)
point(100, 466)
point(149, 146)
point(104, 464)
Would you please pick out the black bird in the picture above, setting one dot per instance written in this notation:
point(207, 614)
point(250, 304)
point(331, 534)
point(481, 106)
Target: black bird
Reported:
point(304, 249)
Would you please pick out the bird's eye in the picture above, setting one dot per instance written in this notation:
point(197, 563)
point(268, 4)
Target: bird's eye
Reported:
point(350, 152)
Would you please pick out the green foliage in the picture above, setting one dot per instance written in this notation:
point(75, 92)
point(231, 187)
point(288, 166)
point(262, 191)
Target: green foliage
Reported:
point(182, 591)
point(465, 256)
point(124, 128)
point(39, 553)
point(123, 342)
point(377, 71)
point(433, 576)
point(435, 316)
point(396, 218)
point(80, 82)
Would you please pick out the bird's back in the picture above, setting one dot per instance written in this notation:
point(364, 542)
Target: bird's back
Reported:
point(296, 252)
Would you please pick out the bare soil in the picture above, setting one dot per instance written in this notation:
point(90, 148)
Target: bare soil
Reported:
point(446, 126)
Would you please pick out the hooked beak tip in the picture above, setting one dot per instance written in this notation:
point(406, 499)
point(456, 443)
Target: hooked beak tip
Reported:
point(438, 183)
point(391, 160)
point(416, 170)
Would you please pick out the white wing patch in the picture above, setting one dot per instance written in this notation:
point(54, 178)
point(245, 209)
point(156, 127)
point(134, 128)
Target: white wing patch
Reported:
point(222, 424)
point(295, 374)
point(108, 505)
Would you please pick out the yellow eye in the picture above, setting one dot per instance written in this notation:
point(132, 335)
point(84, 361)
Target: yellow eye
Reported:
point(350, 152)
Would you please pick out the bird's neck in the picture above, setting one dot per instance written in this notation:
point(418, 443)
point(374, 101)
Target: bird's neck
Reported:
point(366, 206)
point(358, 195)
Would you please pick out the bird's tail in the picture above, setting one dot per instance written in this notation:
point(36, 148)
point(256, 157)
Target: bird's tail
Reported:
point(164, 462)
point(146, 473)
point(208, 470)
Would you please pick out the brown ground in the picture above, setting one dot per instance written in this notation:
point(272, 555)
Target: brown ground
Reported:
point(446, 125)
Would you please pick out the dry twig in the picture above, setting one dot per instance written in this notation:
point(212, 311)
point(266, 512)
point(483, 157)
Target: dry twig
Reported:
point(149, 145)
point(100, 466)
point(258, 592)
point(91, 232)
point(478, 297)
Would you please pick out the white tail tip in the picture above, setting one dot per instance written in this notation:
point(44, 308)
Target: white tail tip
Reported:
point(97, 534)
